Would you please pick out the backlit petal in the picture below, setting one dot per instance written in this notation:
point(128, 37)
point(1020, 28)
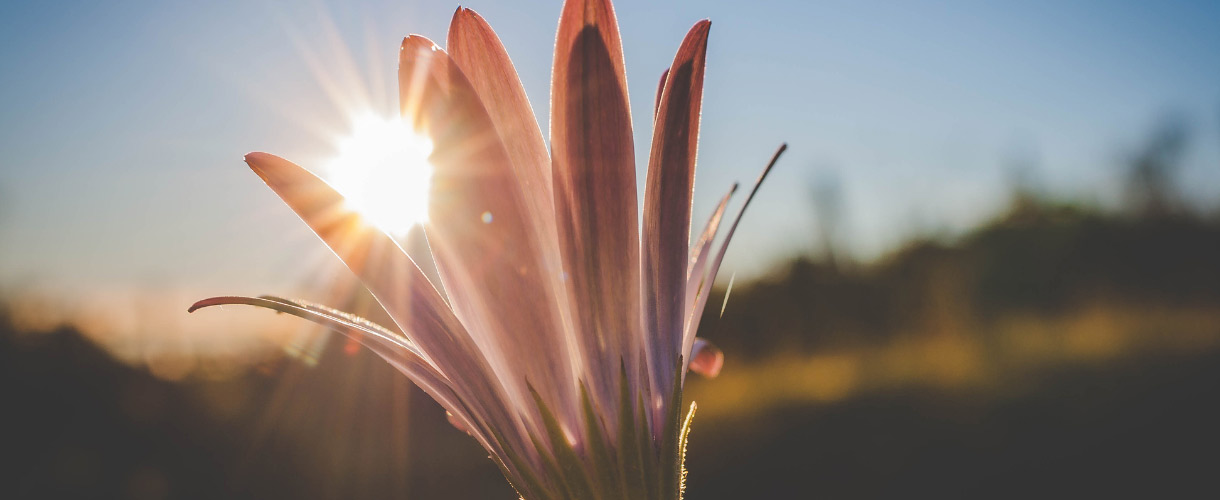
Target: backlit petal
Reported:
point(667, 206)
point(706, 359)
point(593, 164)
point(390, 346)
point(656, 105)
point(477, 50)
point(486, 245)
point(395, 281)
point(699, 253)
point(706, 288)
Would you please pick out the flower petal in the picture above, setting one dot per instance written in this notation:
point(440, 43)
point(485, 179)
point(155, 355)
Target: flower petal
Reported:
point(706, 359)
point(705, 289)
point(699, 253)
point(396, 283)
point(656, 106)
point(593, 164)
point(487, 247)
point(671, 176)
point(476, 49)
point(391, 347)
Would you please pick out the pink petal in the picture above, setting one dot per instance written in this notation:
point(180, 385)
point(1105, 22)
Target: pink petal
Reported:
point(476, 49)
point(486, 245)
point(593, 163)
point(395, 281)
point(656, 106)
point(671, 175)
point(706, 359)
point(696, 313)
point(395, 349)
point(699, 253)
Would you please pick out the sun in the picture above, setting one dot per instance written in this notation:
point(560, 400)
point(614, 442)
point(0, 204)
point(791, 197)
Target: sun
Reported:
point(381, 168)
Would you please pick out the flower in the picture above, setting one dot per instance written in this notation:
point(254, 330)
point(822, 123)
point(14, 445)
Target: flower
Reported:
point(564, 343)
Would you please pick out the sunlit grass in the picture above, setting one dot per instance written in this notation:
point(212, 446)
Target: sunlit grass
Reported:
point(998, 358)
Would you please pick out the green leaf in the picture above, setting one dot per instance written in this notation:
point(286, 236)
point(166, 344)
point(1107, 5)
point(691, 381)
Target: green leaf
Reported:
point(534, 489)
point(570, 465)
point(630, 455)
point(552, 469)
point(605, 467)
point(671, 468)
point(648, 452)
point(690, 416)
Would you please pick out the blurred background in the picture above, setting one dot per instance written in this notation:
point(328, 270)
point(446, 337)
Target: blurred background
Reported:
point(987, 266)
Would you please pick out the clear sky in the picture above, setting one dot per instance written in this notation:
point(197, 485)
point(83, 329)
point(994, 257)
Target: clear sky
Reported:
point(123, 124)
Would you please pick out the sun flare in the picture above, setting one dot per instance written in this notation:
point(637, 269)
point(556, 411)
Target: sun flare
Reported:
point(382, 170)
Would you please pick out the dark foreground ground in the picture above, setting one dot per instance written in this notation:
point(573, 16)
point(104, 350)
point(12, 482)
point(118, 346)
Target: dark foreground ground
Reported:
point(1145, 431)
point(76, 424)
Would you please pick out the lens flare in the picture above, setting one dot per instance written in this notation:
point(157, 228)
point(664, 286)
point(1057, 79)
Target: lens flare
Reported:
point(382, 170)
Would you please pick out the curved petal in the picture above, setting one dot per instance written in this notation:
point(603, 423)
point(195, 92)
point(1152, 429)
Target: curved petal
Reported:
point(390, 346)
point(656, 105)
point(696, 313)
point(396, 283)
point(487, 247)
point(666, 236)
point(699, 253)
point(476, 49)
point(593, 164)
point(706, 359)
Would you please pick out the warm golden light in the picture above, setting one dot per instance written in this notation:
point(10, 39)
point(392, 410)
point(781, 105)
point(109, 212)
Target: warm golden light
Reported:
point(382, 170)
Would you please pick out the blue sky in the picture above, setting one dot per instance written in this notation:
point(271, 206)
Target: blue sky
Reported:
point(122, 124)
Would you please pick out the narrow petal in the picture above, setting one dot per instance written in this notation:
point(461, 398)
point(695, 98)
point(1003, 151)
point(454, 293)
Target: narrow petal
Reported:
point(671, 176)
point(593, 164)
point(656, 105)
point(477, 50)
point(688, 337)
point(396, 283)
point(487, 248)
point(706, 359)
point(699, 253)
point(395, 350)
point(392, 347)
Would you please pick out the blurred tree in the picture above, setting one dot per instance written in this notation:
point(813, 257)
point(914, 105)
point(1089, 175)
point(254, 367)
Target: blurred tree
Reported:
point(1022, 165)
point(826, 193)
point(1150, 178)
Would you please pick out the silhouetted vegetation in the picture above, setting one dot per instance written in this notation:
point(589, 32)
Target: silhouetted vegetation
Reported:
point(1037, 259)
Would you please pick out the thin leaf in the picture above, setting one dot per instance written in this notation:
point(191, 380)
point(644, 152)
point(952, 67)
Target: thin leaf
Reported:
point(571, 467)
point(671, 468)
point(690, 417)
point(605, 467)
point(630, 453)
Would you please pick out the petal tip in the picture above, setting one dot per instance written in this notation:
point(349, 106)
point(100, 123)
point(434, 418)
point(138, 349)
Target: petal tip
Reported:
point(208, 302)
point(708, 360)
point(259, 163)
point(702, 27)
point(415, 42)
point(256, 159)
